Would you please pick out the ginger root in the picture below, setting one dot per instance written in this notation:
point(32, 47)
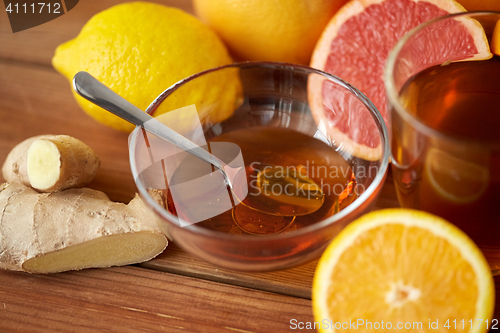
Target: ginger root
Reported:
point(74, 229)
point(50, 163)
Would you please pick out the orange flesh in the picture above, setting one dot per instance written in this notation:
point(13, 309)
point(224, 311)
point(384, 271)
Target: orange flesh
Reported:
point(401, 285)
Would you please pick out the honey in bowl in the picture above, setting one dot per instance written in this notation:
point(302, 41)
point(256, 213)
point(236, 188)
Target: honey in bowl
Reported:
point(294, 180)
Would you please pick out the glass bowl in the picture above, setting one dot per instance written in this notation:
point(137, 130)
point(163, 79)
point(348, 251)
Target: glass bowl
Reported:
point(261, 94)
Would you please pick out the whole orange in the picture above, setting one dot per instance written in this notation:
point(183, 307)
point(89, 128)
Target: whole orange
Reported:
point(471, 5)
point(277, 30)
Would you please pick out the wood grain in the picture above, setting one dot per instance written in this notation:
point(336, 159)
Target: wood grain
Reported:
point(131, 299)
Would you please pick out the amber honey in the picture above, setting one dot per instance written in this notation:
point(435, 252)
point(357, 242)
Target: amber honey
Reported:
point(322, 173)
point(454, 173)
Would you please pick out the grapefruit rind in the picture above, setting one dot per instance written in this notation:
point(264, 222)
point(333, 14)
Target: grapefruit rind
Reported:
point(439, 227)
point(480, 40)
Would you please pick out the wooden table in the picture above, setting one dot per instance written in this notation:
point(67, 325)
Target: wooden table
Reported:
point(175, 292)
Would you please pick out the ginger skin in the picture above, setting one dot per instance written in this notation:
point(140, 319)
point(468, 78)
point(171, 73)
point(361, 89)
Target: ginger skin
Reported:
point(50, 163)
point(74, 229)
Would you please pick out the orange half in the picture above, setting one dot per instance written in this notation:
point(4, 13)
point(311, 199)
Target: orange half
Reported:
point(401, 270)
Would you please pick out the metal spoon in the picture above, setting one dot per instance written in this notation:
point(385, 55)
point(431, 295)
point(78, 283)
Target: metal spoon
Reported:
point(91, 89)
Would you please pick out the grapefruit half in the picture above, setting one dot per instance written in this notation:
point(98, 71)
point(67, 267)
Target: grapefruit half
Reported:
point(355, 45)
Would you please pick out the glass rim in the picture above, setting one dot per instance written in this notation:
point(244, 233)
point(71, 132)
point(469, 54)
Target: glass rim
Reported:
point(377, 181)
point(392, 93)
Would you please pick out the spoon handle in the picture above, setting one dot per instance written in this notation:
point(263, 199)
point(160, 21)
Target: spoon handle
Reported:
point(93, 90)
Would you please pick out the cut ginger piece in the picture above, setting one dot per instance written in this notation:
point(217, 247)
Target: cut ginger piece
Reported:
point(105, 251)
point(74, 229)
point(50, 163)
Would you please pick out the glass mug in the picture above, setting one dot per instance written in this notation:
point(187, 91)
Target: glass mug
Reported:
point(445, 124)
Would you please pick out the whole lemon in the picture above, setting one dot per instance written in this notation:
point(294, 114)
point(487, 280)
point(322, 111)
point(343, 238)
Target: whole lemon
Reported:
point(140, 49)
point(277, 30)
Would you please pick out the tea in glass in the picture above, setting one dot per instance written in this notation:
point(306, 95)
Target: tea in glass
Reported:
point(446, 141)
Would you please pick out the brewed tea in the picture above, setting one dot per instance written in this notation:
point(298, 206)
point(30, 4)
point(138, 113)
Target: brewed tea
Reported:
point(462, 101)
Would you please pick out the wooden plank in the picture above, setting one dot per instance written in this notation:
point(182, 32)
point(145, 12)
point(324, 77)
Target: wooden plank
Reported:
point(132, 299)
point(293, 282)
point(37, 45)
